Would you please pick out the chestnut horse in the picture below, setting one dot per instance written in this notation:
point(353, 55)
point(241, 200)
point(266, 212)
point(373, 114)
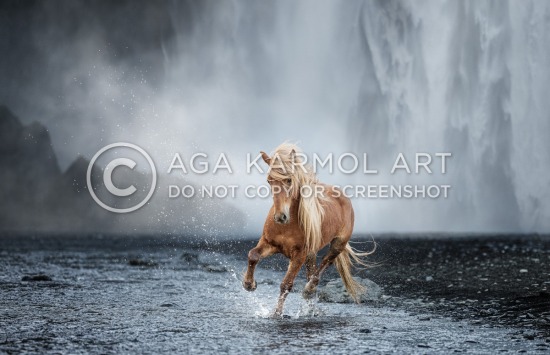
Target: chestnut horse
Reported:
point(305, 217)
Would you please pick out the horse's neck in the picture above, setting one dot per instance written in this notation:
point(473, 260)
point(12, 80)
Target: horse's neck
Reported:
point(295, 207)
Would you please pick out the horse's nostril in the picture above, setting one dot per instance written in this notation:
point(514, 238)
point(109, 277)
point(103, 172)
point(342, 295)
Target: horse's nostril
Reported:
point(281, 218)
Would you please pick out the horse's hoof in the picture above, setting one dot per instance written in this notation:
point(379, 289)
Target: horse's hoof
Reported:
point(278, 315)
point(250, 286)
point(308, 293)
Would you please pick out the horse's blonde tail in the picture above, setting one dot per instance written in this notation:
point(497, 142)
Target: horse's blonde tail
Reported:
point(344, 262)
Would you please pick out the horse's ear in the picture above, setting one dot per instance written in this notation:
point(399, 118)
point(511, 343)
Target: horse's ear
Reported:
point(266, 158)
point(293, 155)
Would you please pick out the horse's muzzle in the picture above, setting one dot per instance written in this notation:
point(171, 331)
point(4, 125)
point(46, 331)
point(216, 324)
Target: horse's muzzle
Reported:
point(281, 218)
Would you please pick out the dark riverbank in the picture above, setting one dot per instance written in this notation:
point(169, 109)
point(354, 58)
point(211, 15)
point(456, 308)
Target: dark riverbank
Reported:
point(499, 280)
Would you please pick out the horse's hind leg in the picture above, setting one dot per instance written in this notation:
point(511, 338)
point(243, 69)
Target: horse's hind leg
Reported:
point(262, 250)
point(336, 247)
point(294, 267)
point(311, 265)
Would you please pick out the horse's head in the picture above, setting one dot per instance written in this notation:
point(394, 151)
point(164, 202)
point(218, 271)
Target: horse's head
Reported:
point(284, 184)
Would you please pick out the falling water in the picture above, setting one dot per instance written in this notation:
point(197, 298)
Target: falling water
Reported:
point(381, 77)
point(464, 77)
point(396, 76)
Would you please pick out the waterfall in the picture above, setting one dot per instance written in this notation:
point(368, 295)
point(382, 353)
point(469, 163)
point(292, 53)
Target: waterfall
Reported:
point(465, 77)
point(382, 77)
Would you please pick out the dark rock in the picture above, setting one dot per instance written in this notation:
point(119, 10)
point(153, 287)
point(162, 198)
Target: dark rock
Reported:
point(215, 268)
point(10, 130)
point(28, 169)
point(335, 292)
point(189, 257)
point(145, 263)
point(365, 331)
point(36, 195)
point(38, 277)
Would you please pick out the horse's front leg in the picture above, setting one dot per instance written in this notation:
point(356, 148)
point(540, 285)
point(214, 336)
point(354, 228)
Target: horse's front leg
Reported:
point(262, 250)
point(294, 267)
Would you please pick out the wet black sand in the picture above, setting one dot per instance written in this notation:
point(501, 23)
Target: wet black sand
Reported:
point(486, 281)
point(501, 280)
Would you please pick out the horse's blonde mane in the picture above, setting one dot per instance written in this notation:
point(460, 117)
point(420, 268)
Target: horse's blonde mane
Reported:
point(286, 163)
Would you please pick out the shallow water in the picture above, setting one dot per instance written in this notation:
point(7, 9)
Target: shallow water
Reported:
point(98, 302)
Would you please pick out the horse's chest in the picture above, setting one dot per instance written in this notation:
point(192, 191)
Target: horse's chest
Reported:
point(287, 243)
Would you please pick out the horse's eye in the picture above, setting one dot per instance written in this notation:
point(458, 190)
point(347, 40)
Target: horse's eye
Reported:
point(288, 181)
